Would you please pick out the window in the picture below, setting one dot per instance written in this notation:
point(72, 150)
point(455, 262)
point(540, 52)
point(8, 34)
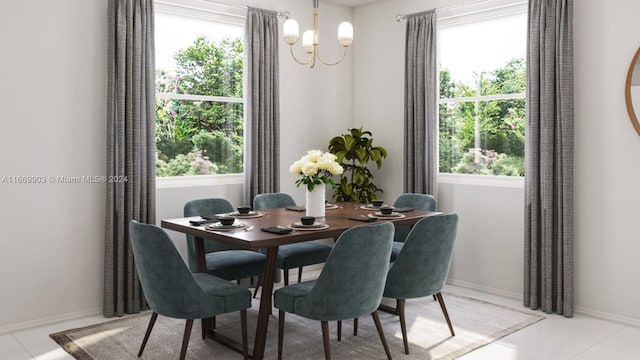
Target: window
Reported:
point(482, 91)
point(199, 89)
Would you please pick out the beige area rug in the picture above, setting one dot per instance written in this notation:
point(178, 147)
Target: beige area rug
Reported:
point(475, 322)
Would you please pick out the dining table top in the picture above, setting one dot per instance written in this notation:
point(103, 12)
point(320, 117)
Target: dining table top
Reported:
point(250, 236)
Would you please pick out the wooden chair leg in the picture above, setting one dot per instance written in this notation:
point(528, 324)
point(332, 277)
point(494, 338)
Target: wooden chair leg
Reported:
point(434, 297)
point(185, 339)
point(280, 333)
point(339, 330)
point(255, 291)
point(207, 324)
point(326, 340)
point(355, 327)
point(444, 311)
point(243, 323)
point(286, 276)
point(152, 322)
point(376, 319)
point(300, 274)
point(403, 323)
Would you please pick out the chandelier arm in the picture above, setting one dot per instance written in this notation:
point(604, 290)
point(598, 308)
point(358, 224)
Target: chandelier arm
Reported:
point(344, 54)
point(293, 55)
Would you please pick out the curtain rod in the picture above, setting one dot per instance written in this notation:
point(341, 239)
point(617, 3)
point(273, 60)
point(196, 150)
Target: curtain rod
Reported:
point(283, 14)
point(403, 17)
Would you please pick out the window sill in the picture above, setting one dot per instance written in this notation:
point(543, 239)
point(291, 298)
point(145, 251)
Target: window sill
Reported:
point(198, 180)
point(482, 180)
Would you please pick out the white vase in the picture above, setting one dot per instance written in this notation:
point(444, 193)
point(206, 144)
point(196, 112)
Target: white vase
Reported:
point(315, 201)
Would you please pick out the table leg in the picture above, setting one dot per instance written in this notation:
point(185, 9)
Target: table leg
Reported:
point(201, 264)
point(265, 303)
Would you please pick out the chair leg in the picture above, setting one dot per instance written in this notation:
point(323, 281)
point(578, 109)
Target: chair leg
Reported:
point(185, 339)
point(255, 291)
point(243, 324)
point(403, 323)
point(434, 297)
point(152, 322)
point(326, 340)
point(207, 323)
point(355, 327)
point(339, 330)
point(286, 276)
point(280, 333)
point(376, 319)
point(300, 274)
point(444, 311)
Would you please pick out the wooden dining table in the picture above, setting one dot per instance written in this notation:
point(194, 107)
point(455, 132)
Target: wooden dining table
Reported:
point(251, 237)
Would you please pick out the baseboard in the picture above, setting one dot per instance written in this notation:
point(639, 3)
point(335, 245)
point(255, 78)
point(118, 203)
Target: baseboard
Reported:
point(485, 289)
point(49, 320)
point(623, 320)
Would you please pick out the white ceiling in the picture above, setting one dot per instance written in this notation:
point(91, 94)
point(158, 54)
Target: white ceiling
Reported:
point(352, 3)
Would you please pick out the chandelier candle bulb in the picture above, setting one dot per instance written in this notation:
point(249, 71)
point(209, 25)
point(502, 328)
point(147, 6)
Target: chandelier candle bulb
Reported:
point(307, 41)
point(291, 31)
point(345, 34)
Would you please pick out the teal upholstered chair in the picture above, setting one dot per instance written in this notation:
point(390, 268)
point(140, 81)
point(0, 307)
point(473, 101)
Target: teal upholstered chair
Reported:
point(422, 266)
point(292, 255)
point(410, 200)
point(222, 260)
point(172, 290)
point(350, 284)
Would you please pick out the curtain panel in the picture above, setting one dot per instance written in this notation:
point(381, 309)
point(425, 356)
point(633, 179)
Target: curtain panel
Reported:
point(262, 130)
point(420, 104)
point(548, 273)
point(130, 147)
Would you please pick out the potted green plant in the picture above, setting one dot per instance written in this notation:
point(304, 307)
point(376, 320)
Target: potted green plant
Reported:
point(354, 151)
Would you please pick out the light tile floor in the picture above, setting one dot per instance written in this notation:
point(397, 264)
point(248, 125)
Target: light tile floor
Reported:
point(554, 338)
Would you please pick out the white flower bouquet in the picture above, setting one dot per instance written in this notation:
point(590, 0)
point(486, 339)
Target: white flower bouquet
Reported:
point(316, 168)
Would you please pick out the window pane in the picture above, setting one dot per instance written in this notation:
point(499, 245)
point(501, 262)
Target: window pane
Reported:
point(469, 50)
point(199, 87)
point(482, 137)
point(482, 59)
point(199, 137)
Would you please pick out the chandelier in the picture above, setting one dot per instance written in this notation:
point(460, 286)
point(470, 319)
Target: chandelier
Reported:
point(310, 39)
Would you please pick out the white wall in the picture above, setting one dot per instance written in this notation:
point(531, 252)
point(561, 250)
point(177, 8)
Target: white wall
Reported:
point(53, 98)
point(489, 253)
point(607, 147)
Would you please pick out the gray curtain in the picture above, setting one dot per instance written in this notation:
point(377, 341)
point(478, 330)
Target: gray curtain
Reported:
point(130, 147)
point(548, 280)
point(262, 155)
point(420, 104)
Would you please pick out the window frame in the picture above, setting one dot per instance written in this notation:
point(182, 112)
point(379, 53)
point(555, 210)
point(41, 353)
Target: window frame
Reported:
point(208, 11)
point(459, 15)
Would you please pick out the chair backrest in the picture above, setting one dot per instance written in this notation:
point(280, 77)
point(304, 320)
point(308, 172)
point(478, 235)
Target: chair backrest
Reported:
point(272, 201)
point(413, 200)
point(422, 266)
point(352, 280)
point(168, 285)
point(416, 201)
point(200, 207)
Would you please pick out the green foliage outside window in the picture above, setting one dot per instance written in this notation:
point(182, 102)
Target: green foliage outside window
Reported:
point(201, 137)
point(494, 145)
